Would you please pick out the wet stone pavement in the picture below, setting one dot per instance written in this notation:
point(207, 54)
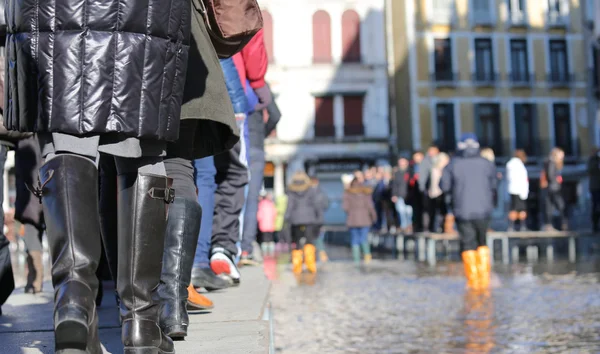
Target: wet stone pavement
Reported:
point(405, 307)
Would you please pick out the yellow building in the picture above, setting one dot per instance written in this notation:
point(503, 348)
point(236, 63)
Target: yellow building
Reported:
point(515, 72)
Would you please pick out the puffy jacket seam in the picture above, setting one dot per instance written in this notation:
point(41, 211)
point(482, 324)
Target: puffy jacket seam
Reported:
point(82, 58)
point(114, 71)
point(144, 72)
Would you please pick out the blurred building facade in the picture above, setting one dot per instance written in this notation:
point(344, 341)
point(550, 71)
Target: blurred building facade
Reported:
point(515, 72)
point(329, 75)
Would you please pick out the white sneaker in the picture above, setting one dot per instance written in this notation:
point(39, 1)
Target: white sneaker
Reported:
point(223, 265)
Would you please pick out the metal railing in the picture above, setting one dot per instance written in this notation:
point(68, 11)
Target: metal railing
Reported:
point(517, 18)
point(555, 19)
point(521, 79)
point(484, 78)
point(559, 79)
point(444, 78)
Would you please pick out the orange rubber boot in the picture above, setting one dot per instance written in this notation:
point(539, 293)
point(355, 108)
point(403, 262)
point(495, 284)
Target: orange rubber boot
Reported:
point(310, 258)
point(470, 261)
point(297, 259)
point(484, 266)
point(197, 301)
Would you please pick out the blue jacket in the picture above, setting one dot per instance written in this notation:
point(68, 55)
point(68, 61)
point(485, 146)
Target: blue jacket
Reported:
point(471, 181)
point(234, 86)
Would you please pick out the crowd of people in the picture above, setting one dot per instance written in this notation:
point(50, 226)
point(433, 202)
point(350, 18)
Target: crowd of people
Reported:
point(408, 198)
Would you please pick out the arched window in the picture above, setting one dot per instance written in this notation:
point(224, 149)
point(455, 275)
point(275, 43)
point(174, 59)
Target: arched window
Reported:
point(268, 34)
point(321, 23)
point(350, 37)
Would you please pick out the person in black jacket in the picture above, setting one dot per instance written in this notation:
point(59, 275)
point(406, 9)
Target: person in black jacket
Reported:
point(471, 181)
point(400, 184)
point(101, 79)
point(553, 177)
point(301, 214)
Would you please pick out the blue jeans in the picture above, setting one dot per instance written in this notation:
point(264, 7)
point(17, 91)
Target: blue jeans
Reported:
point(359, 235)
point(405, 212)
point(205, 181)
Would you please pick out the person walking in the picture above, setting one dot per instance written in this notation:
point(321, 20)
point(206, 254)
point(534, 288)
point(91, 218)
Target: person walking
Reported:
point(205, 170)
point(400, 185)
point(518, 189)
point(266, 216)
point(232, 168)
point(593, 168)
point(258, 129)
point(57, 85)
point(360, 215)
point(301, 214)
point(553, 180)
point(471, 180)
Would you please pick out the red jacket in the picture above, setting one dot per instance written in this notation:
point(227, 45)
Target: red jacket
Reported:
point(252, 62)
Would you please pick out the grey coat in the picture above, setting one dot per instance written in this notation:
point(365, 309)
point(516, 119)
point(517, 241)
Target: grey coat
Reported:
point(207, 120)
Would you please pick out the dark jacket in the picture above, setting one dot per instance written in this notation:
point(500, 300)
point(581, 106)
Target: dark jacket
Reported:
point(359, 208)
point(593, 168)
point(554, 176)
point(302, 208)
point(97, 67)
point(471, 181)
point(400, 184)
point(322, 204)
point(28, 159)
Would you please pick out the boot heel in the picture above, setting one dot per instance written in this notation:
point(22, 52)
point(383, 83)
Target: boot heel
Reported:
point(70, 329)
point(142, 350)
point(176, 332)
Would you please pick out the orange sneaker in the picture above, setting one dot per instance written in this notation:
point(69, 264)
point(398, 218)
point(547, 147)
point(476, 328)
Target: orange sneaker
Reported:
point(197, 301)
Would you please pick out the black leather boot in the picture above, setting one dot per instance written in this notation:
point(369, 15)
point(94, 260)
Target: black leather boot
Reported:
point(183, 228)
point(68, 188)
point(142, 218)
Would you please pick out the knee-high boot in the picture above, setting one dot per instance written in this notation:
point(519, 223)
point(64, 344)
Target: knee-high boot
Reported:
point(68, 186)
point(183, 228)
point(142, 217)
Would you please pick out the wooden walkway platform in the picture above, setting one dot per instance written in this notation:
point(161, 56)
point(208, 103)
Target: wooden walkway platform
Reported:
point(427, 245)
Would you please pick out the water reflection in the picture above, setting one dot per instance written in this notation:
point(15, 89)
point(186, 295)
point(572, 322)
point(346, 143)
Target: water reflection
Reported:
point(478, 321)
point(409, 307)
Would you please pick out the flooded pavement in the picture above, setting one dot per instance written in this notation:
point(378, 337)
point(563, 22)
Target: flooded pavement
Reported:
point(407, 307)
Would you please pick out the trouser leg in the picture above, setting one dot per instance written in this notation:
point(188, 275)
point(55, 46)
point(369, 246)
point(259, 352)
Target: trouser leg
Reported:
point(257, 166)
point(231, 179)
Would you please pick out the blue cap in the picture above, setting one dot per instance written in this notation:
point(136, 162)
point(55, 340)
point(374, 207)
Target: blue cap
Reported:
point(468, 140)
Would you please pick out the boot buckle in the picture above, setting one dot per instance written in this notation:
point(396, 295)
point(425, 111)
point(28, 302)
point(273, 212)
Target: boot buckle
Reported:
point(39, 190)
point(167, 194)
